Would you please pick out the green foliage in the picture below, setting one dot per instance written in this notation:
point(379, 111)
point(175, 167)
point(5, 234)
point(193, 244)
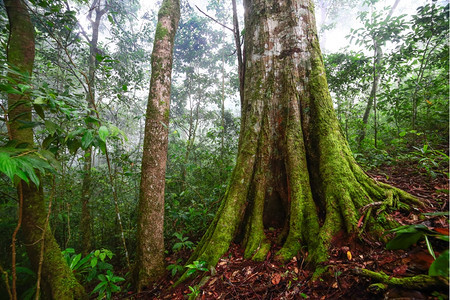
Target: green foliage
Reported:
point(412, 97)
point(183, 242)
point(22, 163)
point(89, 267)
point(93, 266)
point(408, 235)
point(195, 291)
point(440, 266)
point(433, 161)
point(107, 285)
point(175, 268)
point(196, 266)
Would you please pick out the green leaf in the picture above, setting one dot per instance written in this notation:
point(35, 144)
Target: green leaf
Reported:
point(39, 110)
point(92, 120)
point(73, 134)
point(93, 262)
point(73, 145)
point(39, 100)
point(103, 133)
point(87, 139)
point(7, 165)
point(102, 256)
point(411, 229)
point(404, 240)
point(21, 174)
point(51, 127)
point(190, 272)
point(99, 286)
point(117, 279)
point(32, 175)
point(74, 262)
point(430, 248)
point(440, 266)
point(23, 87)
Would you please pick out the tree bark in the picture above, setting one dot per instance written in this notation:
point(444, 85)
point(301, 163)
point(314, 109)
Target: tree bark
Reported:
point(294, 169)
point(58, 282)
point(150, 239)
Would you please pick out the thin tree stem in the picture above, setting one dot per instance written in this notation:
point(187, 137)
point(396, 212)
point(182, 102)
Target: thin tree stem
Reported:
point(44, 230)
point(13, 244)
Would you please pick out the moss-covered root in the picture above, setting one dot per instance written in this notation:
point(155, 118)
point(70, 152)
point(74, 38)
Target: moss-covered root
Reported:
point(419, 282)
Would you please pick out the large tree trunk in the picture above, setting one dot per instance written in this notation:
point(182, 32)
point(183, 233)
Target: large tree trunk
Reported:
point(58, 281)
point(150, 236)
point(294, 169)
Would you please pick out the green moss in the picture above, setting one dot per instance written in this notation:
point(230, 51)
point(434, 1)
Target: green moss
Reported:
point(160, 32)
point(419, 282)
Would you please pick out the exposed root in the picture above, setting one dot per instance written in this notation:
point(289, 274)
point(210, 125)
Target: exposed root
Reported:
point(419, 282)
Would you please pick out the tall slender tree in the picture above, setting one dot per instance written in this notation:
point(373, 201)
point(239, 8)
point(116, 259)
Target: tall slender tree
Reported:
point(98, 9)
point(150, 235)
point(294, 169)
point(58, 282)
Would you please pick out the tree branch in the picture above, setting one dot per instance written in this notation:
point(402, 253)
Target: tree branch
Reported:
point(223, 25)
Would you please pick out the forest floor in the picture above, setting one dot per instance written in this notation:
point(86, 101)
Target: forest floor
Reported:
point(237, 278)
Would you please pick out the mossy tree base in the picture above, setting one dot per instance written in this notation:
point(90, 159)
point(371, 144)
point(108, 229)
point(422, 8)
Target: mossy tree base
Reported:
point(58, 281)
point(294, 168)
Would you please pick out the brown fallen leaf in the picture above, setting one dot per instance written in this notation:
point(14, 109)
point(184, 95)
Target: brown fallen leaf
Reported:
point(276, 278)
point(211, 282)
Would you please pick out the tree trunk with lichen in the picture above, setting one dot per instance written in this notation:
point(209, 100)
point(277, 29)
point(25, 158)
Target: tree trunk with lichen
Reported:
point(58, 282)
point(149, 264)
point(294, 169)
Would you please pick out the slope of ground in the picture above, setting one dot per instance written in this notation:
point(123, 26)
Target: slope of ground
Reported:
point(236, 278)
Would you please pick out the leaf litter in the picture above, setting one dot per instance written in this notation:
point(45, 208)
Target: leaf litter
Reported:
point(237, 278)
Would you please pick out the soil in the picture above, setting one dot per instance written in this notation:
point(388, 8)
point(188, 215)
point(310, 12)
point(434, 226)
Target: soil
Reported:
point(237, 278)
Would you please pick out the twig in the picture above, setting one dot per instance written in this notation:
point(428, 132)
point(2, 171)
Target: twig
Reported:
point(44, 230)
point(223, 25)
point(364, 208)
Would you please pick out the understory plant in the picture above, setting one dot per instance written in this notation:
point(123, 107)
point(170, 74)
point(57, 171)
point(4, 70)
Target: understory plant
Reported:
point(408, 235)
point(93, 266)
